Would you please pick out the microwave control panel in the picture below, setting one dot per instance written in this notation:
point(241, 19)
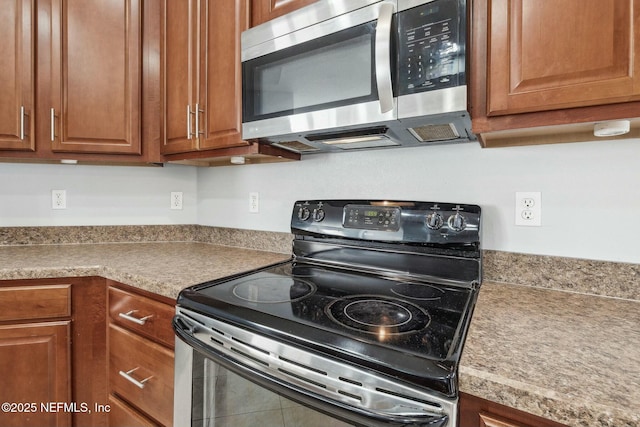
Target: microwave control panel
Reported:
point(431, 46)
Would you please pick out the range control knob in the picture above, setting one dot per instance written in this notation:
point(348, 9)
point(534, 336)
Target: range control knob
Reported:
point(304, 213)
point(434, 220)
point(456, 222)
point(318, 214)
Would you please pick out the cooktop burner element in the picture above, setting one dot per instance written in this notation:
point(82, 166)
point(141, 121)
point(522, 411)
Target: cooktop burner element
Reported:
point(273, 290)
point(384, 288)
point(378, 314)
point(419, 291)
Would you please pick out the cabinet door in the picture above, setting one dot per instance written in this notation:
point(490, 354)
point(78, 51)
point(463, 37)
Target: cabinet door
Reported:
point(16, 75)
point(141, 373)
point(96, 76)
point(553, 54)
point(221, 83)
point(265, 10)
point(122, 415)
point(180, 44)
point(477, 412)
point(34, 367)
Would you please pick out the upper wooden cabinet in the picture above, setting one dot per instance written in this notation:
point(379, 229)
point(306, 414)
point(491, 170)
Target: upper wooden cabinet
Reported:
point(17, 75)
point(265, 10)
point(82, 81)
point(547, 55)
point(540, 63)
point(95, 76)
point(202, 74)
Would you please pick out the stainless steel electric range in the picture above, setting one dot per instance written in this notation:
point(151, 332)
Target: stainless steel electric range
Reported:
point(364, 324)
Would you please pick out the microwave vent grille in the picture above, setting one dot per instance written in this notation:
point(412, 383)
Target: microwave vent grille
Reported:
point(439, 132)
point(296, 146)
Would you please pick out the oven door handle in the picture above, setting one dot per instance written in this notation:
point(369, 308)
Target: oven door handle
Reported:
point(383, 57)
point(181, 326)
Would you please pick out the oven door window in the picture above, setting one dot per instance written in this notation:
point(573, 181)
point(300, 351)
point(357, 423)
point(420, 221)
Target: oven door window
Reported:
point(222, 398)
point(328, 72)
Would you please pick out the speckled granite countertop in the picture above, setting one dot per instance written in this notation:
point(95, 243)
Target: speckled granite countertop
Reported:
point(570, 357)
point(162, 268)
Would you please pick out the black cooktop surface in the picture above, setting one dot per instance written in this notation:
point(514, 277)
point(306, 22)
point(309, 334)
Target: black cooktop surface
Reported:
point(422, 318)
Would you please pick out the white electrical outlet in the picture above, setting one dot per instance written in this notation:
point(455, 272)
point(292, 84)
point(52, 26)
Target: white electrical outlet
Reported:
point(529, 208)
point(58, 199)
point(254, 202)
point(176, 200)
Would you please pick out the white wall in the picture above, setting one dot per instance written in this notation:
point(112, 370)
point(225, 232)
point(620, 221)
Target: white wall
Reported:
point(96, 195)
point(590, 191)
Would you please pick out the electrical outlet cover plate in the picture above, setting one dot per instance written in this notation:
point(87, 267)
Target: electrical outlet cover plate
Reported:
point(58, 199)
point(528, 208)
point(176, 200)
point(254, 202)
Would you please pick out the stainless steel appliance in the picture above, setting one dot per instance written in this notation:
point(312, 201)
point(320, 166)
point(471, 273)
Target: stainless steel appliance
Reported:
point(340, 75)
point(365, 323)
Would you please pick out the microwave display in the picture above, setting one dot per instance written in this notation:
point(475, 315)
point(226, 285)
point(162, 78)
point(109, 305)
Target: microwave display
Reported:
point(431, 51)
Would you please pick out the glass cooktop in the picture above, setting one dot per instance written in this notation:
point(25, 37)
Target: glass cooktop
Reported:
point(415, 317)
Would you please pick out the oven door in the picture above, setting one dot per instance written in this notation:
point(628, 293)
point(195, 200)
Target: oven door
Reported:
point(209, 395)
point(333, 74)
point(221, 372)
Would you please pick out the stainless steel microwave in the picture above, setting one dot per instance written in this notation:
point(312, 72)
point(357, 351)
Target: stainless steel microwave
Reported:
point(345, 74)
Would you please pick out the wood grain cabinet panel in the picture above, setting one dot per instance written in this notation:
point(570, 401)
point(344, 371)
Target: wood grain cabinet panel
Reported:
point(142, 315)
point(35, 369)
point(53, 351)
point(545, 71)
point(122, 415)
point(202, 74)
point(265, 10)
point(141, 358)
point(149, 367)
point(180, 74)
point(477, 412)
point(554, 54)
point(35, 302)
point(95, 82)
point(17, 75)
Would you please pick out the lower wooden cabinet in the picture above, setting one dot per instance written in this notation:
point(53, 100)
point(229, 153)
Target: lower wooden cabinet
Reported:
point(141, 360)
point(121, 414)
point(53, 352)
point(477, 412)
point(85, 352)
point(35, 371)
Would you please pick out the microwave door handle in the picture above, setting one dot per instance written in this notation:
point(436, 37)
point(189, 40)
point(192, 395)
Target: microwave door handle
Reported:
point(383, 57)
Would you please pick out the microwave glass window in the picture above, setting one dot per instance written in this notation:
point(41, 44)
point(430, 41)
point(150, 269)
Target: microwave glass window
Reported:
point(334, 70)
point(339, 72)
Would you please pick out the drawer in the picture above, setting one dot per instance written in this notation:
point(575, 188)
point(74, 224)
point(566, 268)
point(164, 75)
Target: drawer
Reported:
point(141, 373)
point(142, 315)
point(35, 302)
point(122, 415)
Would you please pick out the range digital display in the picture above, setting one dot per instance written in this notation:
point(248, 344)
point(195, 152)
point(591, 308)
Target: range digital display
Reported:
point(386, 218)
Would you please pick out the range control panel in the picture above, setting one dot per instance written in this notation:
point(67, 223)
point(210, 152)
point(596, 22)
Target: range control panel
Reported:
point(387, 220)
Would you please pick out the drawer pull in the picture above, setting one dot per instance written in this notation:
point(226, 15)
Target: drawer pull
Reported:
point(129, 316)
point(128, 377)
